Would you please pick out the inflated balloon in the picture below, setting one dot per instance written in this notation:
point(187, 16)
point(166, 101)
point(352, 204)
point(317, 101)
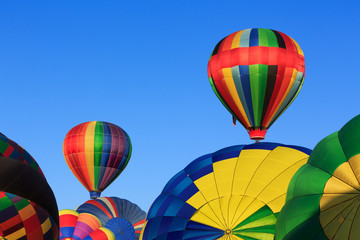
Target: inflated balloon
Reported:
point(124, 218)
point(82, 226)
point(10, 149)
point(21, 218)
point(97, 152)
point(28, 208)
point(323, 196)
point(234, 193)
point(256, 73)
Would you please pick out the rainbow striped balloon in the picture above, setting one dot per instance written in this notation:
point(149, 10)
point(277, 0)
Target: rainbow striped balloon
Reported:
point(74, 225)
point(97, 152)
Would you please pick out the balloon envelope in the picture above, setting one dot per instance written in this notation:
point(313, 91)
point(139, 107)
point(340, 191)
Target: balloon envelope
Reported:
point(21, 218)
point(28, 208)
point(256, 73)
point(322, 200)
point(10, 149)
point(124, 218)
point(97, 152)
point(82, 226)
point(234, 193)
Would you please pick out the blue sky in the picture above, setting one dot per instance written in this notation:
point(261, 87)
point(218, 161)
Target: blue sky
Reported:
point(142, 66)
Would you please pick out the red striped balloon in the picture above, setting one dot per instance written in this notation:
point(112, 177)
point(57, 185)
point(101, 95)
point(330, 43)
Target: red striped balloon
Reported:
point(256, 73)
point(97, 152)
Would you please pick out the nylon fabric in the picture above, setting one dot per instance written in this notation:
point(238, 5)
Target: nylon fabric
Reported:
point(234, 193)
point(323, 196)
point(256, 74)
point(97, 152)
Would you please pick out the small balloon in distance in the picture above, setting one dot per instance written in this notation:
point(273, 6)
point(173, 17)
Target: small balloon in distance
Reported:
point(96, 153)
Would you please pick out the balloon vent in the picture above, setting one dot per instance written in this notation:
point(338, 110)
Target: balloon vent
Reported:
point(257, 134)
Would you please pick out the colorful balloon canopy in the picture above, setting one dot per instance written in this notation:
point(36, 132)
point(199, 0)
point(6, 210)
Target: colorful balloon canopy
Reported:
point(97, 152)
point(28, 208)
point(256, 73)
point(124, 218)
point(23, 219)
point(83, 226)
point(10, 149)
point(234, 193)
point(323, 196)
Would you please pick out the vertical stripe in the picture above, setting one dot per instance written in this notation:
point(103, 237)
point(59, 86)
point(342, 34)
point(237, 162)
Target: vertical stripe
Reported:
point(254, 37)
point(216, 49)
point(98, 148)
point(112, 171)
point(287, 79)
point(222, 87)
point(275, 95)
point(127, 152)
point(217, 93)
point(121, 145)
point(106, 148)
point(108, 203)
point(245, 82)
point(78, 152)
point(263, 39)
point(89, 151)
point(281, 94)
point(258, 77)
point(280, 39)
point(227, 43)
point(236, 41)
point(237, 80)
point(297, 47)
point(270, 83)
point(245, 37)
point(233, 92)
point(271, 37)
point(291, 95)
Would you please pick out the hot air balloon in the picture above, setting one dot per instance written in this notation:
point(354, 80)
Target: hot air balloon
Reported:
point(96, 152)
point(234, 193)
point(82, 226)
point(28, 208)
point(322, 200)
point(124, 218)
point(10, 149)
point(256, 74)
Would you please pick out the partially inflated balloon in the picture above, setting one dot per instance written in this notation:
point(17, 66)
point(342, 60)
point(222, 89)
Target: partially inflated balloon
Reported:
point(21, 218)
point(82, 226)
point(28, 208)
point(234, 193)
point(97, 152)
point(323, 196)
point(256, 73)
point(124, 218)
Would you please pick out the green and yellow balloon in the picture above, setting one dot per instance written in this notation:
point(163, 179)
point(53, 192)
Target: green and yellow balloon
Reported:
point(323, 198)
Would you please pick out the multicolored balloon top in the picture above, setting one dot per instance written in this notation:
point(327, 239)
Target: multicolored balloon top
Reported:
point(21, 218)
point(97, 152)
point(322, 201)
point(28, 208)
point(11, 149)
point(234, 193)
point(82, 226)
point(124, 218)
point(256, 73)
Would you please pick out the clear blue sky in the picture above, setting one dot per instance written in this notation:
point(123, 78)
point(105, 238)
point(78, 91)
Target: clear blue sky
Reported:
point(142, 66)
